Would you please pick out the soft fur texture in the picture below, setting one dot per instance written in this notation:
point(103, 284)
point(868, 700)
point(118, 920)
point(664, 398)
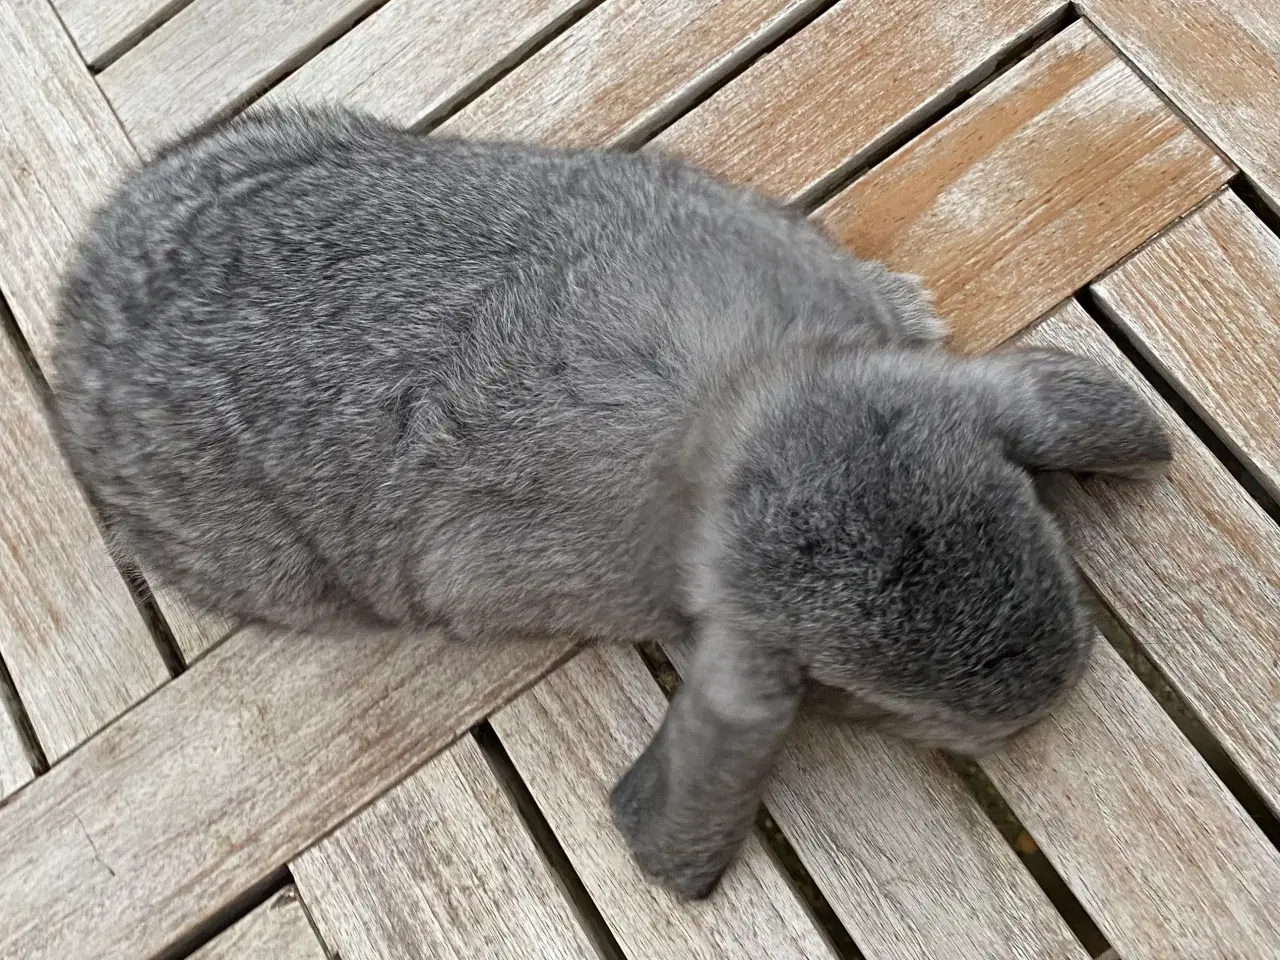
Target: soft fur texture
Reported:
point(315, 368)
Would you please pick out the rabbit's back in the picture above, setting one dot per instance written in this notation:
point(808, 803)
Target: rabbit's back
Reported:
point(311, 362)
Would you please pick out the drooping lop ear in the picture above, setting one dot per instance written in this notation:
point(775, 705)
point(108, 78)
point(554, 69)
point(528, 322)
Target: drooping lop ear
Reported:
point(1056, 411)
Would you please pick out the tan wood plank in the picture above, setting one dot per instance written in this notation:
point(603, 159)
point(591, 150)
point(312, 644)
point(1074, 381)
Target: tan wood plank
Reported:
point(15, 765)
point(277, 930)
point(213, 56)
point(1203, 303)
point(102, 30)
point(412, 60)
point(266, 744)
point(908, 860)
point(1190, 564)
point(440, 867)
point(75, 644)
point(1030, 189)
point(1218, 61)
point(844, 85)
point(622, 67)
point(571, 737)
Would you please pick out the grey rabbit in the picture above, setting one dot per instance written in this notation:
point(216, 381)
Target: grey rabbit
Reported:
point(314, 368)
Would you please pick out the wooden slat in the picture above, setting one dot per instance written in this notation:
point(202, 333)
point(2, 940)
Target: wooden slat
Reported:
point(414, 59)
point(1203, 303)
point(1218, 61)
point(76, 646)
point(265, 744)
point(102, 30)
point(1191, 565)
point(277, 930)
point(623, 66)
point(440, 867)
point(844, 85)
point(571, 737)
point(1030, 189)
point(15, 765)
point(212, 57)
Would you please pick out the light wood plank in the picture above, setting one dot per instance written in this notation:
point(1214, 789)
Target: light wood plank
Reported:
point(61, 151)
point(1030, 189)
point(266, 744)
point(76, 646)
point(413, 60)
point(440, 867)
point(1203, 303)
point(571, 737)
point(622, 67)
point(854, 78)
point(102, 30)
point(1191, 566)
point(277, 930)
point(212, 57)
point(15, 765)
point(1218, 61)
point(905, 856)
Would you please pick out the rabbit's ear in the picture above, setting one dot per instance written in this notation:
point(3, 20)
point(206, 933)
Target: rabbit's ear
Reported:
point(1056, 411)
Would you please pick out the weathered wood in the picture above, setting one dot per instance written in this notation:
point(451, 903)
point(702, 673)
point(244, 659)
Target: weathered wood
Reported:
point(1191, 566)
point(1027, 191)
point(905, 856)
point(624, 66)
point(570, 737)
point(265, 744)
point(277, 930)
point(63, 150)
point(102, 30)
point(440, 867)
point(15, 765)
point(1203, 303)
point(76, 646)
point(1218, 61)
point(212, 56)
point(413, 60)
point(851, 80)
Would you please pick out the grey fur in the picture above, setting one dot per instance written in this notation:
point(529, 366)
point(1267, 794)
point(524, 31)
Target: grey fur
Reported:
point(313, 368)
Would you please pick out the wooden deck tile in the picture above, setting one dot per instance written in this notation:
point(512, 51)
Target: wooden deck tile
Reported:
point(198, 793)
point(1030, 189)
point(413, 60)
point(441, 867)
point(1203, 303)
point(571, 737)
point(1218, 61)
point(212, 57)
point(103, 30)
point(907, 859)
point(624, 66)
point(277, 930)
point(15, 766)
point(855, 77)
point(1147, 837)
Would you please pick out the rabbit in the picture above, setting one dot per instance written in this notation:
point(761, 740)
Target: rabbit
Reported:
point(313, 368)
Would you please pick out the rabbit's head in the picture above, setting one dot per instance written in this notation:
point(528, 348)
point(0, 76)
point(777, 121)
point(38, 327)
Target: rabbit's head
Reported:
point(868, 530)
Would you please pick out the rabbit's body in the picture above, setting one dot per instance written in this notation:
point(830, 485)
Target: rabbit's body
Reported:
point(312, 367)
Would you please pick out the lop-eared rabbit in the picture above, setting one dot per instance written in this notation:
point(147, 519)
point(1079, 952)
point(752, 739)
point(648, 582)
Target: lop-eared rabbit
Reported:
point(316, 369)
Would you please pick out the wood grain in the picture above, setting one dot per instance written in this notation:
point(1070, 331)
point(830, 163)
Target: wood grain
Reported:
point(857, 76)
point(905, 856)
point(413, 60)
point(1203, 303)
point(1030, 189)
point(624, 66)
point(265, 744)
point(1191, 566)
point(212, 56)
point(102, 30)
point(570, 737)
point(277, 930)
point(61, 151)
point(15, 765)
point(440, 867)
point(1218, 61)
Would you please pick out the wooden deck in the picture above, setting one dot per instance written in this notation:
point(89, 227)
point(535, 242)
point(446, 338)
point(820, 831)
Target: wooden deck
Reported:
point(1104, 176)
